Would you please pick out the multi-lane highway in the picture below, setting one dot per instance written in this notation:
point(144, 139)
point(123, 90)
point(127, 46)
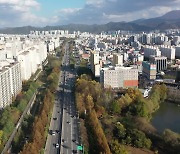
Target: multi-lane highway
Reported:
point(63, 130)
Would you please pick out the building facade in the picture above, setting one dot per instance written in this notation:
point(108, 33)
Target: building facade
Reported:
point(168, 52)
point(117, 59)
point(119, 77)
point(150, 50)
point(94, 61)
point(10, 83)
point(149, 70)
point(177, 52)
point(160, 61)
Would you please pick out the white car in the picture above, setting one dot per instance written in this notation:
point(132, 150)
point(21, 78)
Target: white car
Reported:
point(53, 133)
point(57, 145)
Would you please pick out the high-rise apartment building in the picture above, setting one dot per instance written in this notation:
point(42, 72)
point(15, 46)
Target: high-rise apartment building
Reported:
point(117, 59)
point(177, 52)
point(5, 88)
point(94, 61)
point(25, 61)
point(10, 82)
point(150, 50)
point(168, 52)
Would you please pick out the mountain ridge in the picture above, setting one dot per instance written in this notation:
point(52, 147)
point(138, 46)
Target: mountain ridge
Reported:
point(170, 20)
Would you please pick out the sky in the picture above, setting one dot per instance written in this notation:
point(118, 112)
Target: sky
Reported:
point(14, 13)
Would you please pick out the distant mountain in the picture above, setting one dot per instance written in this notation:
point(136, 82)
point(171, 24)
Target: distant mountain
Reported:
point(112, 26)
point(18, 30)
point(172, 15)
point(167, 21)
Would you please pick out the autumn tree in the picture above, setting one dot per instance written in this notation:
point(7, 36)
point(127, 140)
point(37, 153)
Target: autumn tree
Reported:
point(117, 148)
point(97, 132)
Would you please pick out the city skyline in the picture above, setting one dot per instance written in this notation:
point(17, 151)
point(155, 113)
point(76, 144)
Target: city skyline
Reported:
point(42, 13)
point(48, 91)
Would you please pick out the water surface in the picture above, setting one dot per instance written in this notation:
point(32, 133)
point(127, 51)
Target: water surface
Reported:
point(167, 116)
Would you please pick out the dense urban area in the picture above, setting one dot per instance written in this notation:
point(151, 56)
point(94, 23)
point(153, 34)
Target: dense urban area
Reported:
point(79, 92)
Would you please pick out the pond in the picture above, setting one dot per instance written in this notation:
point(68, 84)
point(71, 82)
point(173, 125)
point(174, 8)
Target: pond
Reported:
point(168, 116)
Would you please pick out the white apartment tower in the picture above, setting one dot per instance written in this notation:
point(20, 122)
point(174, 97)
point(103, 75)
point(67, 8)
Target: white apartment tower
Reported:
point(117, 59)
point(94, 60)
point(25, 61)
point(168, 52)
point(15, 78)
point(5, 88)
point(10, 82)
point(150, 50)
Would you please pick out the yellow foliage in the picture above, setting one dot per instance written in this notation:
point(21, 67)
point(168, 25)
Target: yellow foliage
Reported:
point(1, 134)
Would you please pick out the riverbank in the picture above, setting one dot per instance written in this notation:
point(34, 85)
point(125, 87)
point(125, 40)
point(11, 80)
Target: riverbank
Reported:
point(173, 95)
point(174, 101)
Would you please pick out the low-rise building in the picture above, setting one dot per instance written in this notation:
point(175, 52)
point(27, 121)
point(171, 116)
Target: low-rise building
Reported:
point(160, 61)
point(119, 77)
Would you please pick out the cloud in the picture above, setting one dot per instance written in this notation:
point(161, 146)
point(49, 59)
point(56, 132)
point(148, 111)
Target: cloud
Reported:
point(103, 11)
point(64, 14)
point(23, 4)
point(19, 13)
point(95, 2)
point(68, 11)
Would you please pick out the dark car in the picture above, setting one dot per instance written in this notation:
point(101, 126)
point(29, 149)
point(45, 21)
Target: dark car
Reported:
point(73, 140)
point(54, 118)
point(50, 131)
point(74, 151)
point(63, 140)
point(57, 131)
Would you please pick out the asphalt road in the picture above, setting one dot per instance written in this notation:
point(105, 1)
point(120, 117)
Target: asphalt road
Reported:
point(64, 122)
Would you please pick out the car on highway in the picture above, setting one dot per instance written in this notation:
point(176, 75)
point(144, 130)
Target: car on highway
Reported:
point(68, 122)
point(53, 133)
point(57, 145)
point(57, 131)
point(73, 140)
point(74, 151)
point(63, 140)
